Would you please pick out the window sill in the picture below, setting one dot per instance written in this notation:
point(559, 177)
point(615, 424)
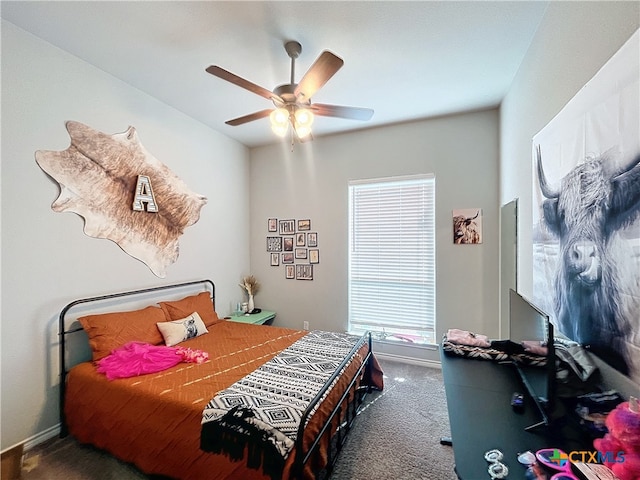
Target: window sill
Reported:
point(401, 343)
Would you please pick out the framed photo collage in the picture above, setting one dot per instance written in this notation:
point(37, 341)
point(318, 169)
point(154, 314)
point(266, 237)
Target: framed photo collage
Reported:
point(292, 244)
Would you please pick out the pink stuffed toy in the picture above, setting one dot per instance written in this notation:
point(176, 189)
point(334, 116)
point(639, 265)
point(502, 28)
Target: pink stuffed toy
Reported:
point(622, 441)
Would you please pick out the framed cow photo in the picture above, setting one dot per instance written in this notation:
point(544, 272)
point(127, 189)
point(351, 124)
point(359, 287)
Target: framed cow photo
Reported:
point(467, 226)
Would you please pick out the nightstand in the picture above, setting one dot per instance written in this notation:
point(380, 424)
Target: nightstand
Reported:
point(265, 317)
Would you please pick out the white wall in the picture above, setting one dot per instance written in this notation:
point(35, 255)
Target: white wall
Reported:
point(462, 152)
point(574, 40)
point(47, 260)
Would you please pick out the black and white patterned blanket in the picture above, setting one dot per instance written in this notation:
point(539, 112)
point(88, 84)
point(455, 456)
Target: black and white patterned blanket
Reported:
point(263, 410)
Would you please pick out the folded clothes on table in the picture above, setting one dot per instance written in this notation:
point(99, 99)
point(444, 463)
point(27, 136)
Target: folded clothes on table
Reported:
point(465, 337)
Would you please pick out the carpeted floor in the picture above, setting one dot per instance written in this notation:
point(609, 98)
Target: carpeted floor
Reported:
point(396, 437)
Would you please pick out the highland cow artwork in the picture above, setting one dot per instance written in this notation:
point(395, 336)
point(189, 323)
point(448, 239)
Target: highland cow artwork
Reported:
point(467, 226)
point(123, 193)
point(586, 214)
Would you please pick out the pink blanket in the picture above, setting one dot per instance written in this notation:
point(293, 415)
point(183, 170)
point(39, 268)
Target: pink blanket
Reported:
point(139, 358)
point(464, 337)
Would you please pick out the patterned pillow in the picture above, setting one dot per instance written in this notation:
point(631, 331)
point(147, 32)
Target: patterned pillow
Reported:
point(183, 329)
point(201, 303)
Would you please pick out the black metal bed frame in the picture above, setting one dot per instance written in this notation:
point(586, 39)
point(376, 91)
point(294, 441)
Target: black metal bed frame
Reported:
point(354, 394)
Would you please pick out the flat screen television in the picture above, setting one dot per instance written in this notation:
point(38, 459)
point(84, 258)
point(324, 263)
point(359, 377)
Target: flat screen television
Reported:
point(528, 322)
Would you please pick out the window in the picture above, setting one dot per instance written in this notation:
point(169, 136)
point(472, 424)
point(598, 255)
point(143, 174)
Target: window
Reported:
point(392, 257)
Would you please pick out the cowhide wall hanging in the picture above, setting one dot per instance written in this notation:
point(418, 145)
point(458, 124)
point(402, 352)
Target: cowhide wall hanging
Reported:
point(123, 193)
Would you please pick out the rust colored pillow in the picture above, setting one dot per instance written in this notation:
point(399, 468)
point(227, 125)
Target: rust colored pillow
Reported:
point(108, 331)
point(200, 303)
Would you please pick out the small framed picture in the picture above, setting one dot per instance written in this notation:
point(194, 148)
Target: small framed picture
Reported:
point(274, 244)
point(272, 225)
point(300, 240)
point(467, 226)
point(290, 271)
point(275, 259)
point(312, 239)
point(287, 257)
point(314, 255)
point(287, 227)
point(304, 225)
point(301, 253)
point(287, 244)
point(304, 272)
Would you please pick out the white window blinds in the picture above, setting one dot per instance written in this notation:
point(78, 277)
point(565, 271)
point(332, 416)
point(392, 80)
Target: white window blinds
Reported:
point(392, 257)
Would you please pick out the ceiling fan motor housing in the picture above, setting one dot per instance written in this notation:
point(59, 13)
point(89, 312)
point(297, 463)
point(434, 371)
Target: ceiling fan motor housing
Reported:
point(286, 93)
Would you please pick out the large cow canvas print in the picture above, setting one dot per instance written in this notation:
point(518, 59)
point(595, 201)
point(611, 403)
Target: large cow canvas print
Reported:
point(586, 214)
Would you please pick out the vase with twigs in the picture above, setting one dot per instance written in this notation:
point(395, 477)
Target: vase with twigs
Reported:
point(251, 286)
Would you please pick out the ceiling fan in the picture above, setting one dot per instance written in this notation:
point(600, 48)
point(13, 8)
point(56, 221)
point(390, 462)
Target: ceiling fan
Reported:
point(292, 101)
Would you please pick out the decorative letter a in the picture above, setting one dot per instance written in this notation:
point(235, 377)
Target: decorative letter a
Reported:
point(144, 195)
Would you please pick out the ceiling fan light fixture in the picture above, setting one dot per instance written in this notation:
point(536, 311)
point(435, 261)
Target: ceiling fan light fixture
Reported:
point(293, 100)
point(279, 121)
point(304, 120)
point(304, 117)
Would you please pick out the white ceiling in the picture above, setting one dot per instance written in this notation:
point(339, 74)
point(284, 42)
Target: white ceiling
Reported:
point(405, 60)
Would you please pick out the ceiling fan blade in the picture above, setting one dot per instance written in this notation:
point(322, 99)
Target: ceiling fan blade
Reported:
point(249, 118)
point(241, 82)
point(325, 67)
point(352, 113)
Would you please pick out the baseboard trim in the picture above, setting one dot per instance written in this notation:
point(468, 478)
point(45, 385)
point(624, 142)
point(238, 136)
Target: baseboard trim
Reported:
point(411, 360)
point(38, 438)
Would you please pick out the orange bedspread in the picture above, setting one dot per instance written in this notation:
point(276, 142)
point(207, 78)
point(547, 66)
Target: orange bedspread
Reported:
point(154, 420)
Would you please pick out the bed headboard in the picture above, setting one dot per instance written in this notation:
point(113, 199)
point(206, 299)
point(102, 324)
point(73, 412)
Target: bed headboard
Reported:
point(73, 342)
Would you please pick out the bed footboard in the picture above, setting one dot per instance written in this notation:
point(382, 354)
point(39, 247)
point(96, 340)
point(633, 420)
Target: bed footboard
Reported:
point(345, 411)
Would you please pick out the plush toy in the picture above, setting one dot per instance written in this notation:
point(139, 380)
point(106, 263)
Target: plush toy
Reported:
point(620, 448)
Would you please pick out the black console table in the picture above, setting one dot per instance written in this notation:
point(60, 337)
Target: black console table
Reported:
point(481, 418)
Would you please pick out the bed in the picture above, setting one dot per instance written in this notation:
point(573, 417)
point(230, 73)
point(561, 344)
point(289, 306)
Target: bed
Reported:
point(155, 420)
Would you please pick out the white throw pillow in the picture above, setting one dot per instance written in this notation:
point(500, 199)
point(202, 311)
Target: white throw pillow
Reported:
point(178, 331)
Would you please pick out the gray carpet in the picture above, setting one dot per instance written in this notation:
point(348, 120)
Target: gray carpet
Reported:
point(396, 437)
